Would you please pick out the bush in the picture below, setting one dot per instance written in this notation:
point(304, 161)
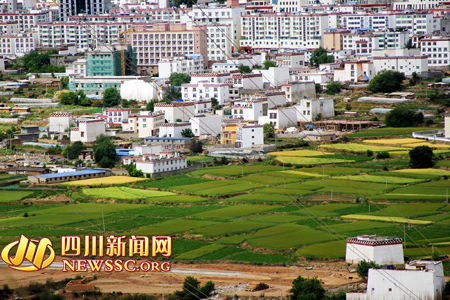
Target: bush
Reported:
point(421, 157)
point(386, 82)
point(383, 155)
point(369, 153)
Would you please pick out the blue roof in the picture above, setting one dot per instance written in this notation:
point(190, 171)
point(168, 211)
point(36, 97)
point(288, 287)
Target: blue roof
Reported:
point(165, 138)
point(123, 152)
point(364, 28)
point(83, 172)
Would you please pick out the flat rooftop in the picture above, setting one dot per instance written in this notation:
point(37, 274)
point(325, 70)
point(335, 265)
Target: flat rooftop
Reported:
point(76, 173)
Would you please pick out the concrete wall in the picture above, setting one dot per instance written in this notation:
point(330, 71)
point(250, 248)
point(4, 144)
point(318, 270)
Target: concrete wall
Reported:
point(380, 254)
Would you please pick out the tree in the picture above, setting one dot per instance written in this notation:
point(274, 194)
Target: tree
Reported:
point(409, 44)
point(64, 82)
point(320, 56)
point(363, 268)
point(133, 172)
point(415, 79)
point(245, 69)
point(151, 105)
point(39, 62)
point(333, 88)
point(421, 157)
point(403, 116)
point(269, 129)
point(193, 291)
point(383, 155)
point(386, 82)
point(224, 161)
point(196, 146)
point(307, 289)
point(73, 151)
point(72, 98)
point(269, 64)
point(177, 79)
point(111, 97)
point(318, 88)
point(214, 102)
point(104, 152)
point(187, 133)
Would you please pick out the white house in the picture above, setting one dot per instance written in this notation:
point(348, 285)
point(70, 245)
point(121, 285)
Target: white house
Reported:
point(299, 90)
point(140, 150)
point(87, 131)
point(275, 76)
point(286, 59)
point(249, 110)
point(145, 124)
point(206, 125)
point(281, 117)
point(202, 106)
point(248, 81)
point(316, 77)
point(379, 249)
point(211, 77)
point(176, 110)
point(249, 135)
point(141, 90)
point(354, 71)
point(447, 125)
point(173, 129)
point(204, 90)
point(437, 50)
point(162, 162)
point(419, 280)
point(115, 115)
point(404, 64)
point(187, 64)
point(60, 121)
point(308, 109)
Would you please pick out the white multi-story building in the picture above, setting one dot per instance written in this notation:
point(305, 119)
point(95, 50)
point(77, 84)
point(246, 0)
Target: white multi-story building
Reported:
point(249, 110)
point(379, 249)
point(60, 121)
point(201, 107)
point(415, 5)
point(419, 280)
point(204, 90)
point(308, 109)
point(299, 90)
point(416, 23)
point(375, 22)
point(206, 125)
point(173, 129)
point(115, 115)
point(211, 77)
point(78, 68)
point(26, 21)
point(220, 42)
point(17, 45)
point(162, 162)
point(176, 110)
point(320, 77)
point(404, 64)
point(248, 81)
point(286, 59)
point(437, 49)
point(354, 71)
point(281, 117)
point(249, 135)
point(74, 7)
point(148, 123)
point(87, 131)
point(9, 28)
point(187, 64)
point(283, 31)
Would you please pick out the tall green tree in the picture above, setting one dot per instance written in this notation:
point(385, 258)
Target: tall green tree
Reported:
point(421, 157)
point(245, 69)
point(269, 64)
point(363, 268)
point(64, 82)
point(177, 79)
point(111, 97)
point(151, 105)
point(193, 291)
point(386, 82)
point(307, 289)
point(104, 152)
point(74, 150)
point(187, 133)
point(403, 116)
point(269, 129)
point(320, 56)
point(333, 88)
point(39, 62)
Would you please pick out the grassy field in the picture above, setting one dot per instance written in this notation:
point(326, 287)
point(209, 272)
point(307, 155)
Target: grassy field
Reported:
point(360, 148)
point(104, 181)
point(394, 141)
point(299, 153)
point(386, 219)
point(124, 193)
point(11, 196)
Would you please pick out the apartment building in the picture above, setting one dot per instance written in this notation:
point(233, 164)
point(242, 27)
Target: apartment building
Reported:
point(74, 7)
point(375, 22)
point(176, 110)
point(220, 42)
point(204, 90)
point(249, 109)
point(416, 23)
point(155, 42)
point(9, 28)
point(77, 69)
point(140, 15)
point(285, 31)
point(287, 59)
point(87, 131)
point(161, 162)
point(249, 135)
point(86, 36)
point(103, 62)
point(437, 50)
point(16, 45)
point(146, 124)
point(26, 21)
point(404, 64)
point(187, 64)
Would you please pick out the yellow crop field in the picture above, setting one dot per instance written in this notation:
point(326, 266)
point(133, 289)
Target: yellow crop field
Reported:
point(428, 171)
point(302, 173)
point(394, 141)
point(386, 219)
point(312, 160)
point(300, 153)
point(104, 180)
point(433, 146)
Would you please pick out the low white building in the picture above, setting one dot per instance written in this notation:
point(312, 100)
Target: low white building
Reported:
point(206, 125)
point(215, 77)
point(77, 69)
point(187, 64)
point(173, 129)
point(249, 135)
point(140, 150)
point(419, 280)
point(354, 71)
point(203, 106)
point(308, 109)
point(379, 249)
point(142, 91)
point(299, 90)
point(176, 110)
point(281, 117)
point(87, 131)
point(249, 110)
point(274, 76)
point(162, 162)
point(404, 64)
point(286, 59)
point(437, 50)
point(115, 115)
point(320, 77)
point(204, 90)
point(146, 124)
point(59, 121)
point(248, 81)
point(447, 125)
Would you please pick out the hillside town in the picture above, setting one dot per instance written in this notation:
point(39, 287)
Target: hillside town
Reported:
point(288, 149)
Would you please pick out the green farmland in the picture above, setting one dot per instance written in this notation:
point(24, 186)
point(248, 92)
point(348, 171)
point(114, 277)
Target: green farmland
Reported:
point(263, 212)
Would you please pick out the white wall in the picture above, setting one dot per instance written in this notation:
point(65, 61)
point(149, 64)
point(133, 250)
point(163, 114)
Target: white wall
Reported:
point(173, 129)
point(275, 76)
point(447, 126)
point(380, 254)
point(59, 123)
point(206, 125)
point(140, 90)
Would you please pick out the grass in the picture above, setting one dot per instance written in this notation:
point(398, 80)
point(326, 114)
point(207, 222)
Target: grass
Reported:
point(220, 187)
point(363, 226)
point(335, 171)
point(299, 153)
point(233, 240)
point(124, 193)
point(235, 227)
point(309, 161)
point(173, 181)
point(387, 131)
point(278, 218)
point(381, 179)
point(360, 148)
point(233, 171)
point(335, 249)
point(194, 254)
point(232, 212)
point(104, 181)
point(221, 254)
point(257, 197)
point(410, 210)
point(285, 236)
point(259, 257)
point(386, 219)
point(11, 196)
point(177, 199)
point(171, 227)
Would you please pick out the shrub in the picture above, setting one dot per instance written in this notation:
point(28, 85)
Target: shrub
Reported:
point(369, 153)
point(383, 155)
